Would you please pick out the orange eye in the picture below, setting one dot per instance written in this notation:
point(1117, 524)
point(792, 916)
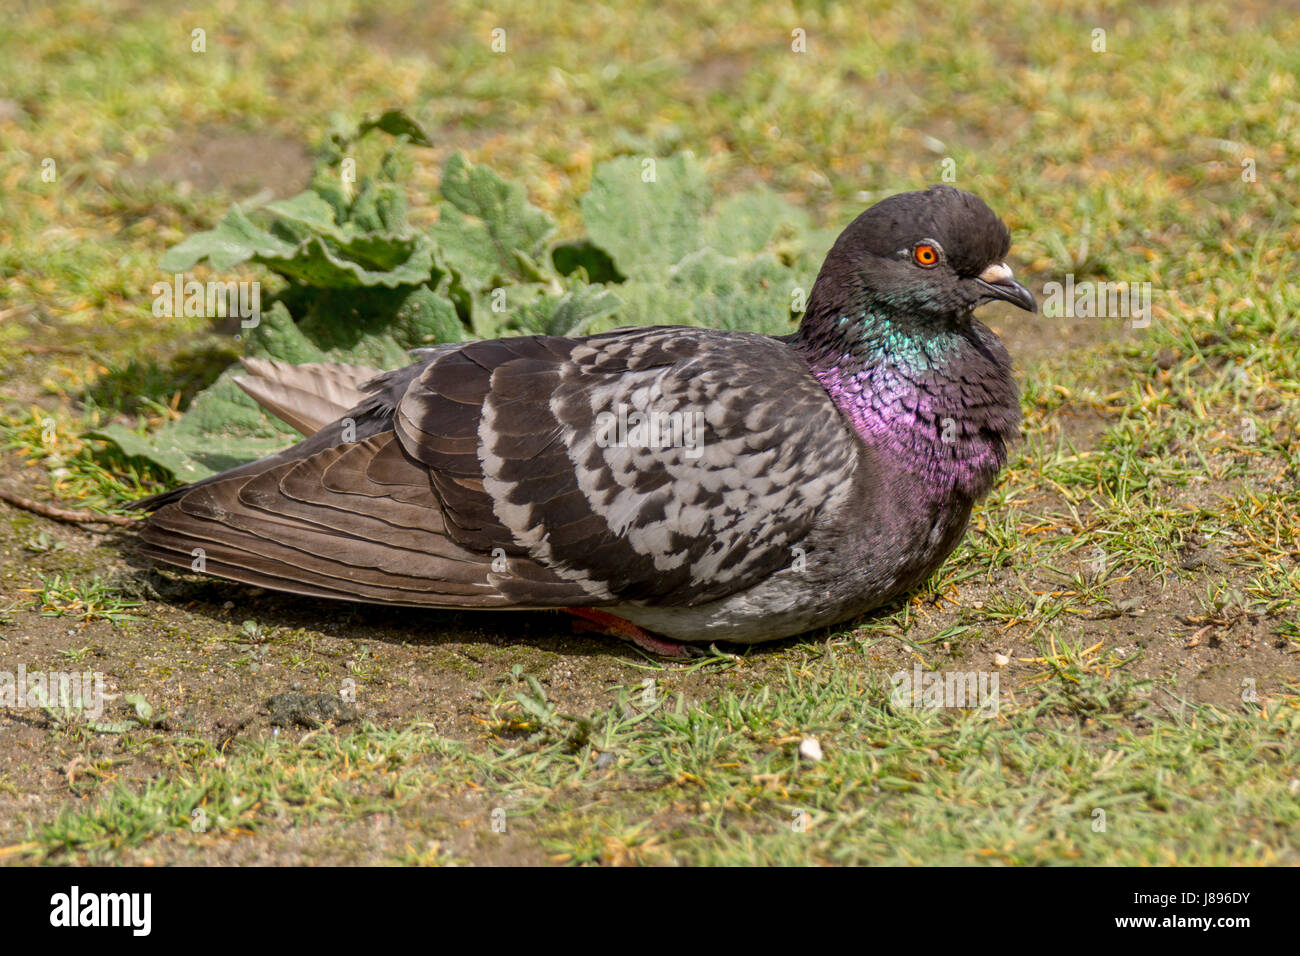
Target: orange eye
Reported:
point(925, 255)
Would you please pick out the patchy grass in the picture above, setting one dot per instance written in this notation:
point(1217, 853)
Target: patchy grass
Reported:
point(1133, 580)
point(85, 600)
point(1069, 774)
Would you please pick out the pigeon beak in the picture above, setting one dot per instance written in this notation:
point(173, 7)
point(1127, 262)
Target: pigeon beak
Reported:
point(1000, 283)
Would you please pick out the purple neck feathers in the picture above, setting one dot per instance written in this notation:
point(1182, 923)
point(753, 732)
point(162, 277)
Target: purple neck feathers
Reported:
point(939, 403)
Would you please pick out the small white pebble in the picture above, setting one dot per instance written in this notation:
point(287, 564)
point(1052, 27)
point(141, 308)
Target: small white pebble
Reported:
point(1001, 660)
point(810, 749)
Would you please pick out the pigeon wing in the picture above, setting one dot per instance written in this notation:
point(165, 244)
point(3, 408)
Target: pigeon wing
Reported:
point(670, 466)
point(667, 466)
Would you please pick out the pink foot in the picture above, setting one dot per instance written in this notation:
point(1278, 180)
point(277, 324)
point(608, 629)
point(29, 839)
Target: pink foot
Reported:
point(591, 619)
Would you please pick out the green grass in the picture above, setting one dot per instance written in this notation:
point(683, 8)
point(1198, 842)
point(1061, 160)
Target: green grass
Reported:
point(720, 782)
point(84, 600)
point(1145, 450)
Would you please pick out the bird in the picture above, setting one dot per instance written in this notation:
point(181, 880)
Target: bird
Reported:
point(670, 486)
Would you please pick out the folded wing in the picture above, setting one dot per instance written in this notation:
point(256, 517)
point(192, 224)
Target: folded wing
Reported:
point(669, 466)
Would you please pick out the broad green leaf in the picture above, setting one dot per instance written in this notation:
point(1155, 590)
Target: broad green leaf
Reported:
point(504, 225)
point(396, 123)
point(747, 222)
point(277, 336)
point(330, 255)
point(427, 318)
point(507, 309)
point(235, 239)
point(540, 709)
point(378, 326)
point(654, 303)
point(647, 217)
point(379, 207)
point(715, 291)
point(577, 311)
point(143, 709)
point(728, 293)
point(467, 247)
point(329, 187)
point(364, 260)
point(310, 210)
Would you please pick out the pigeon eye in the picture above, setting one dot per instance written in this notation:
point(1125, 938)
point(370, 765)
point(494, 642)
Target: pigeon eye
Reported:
point(925, 254)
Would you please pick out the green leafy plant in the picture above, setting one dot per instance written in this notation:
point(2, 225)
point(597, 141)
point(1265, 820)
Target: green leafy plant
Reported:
point(362, 286)
point(95, 599)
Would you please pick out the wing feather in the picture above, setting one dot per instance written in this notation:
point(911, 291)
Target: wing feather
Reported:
point(489, 475)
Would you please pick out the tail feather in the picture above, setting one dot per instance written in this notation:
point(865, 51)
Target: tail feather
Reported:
point(345, 513)
point(314, 526)
point(308, 397)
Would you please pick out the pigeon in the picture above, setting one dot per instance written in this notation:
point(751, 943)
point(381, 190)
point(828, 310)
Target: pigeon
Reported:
point(671, 486)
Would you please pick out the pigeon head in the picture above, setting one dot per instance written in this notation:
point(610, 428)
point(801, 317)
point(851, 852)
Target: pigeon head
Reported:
point(924, 257)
